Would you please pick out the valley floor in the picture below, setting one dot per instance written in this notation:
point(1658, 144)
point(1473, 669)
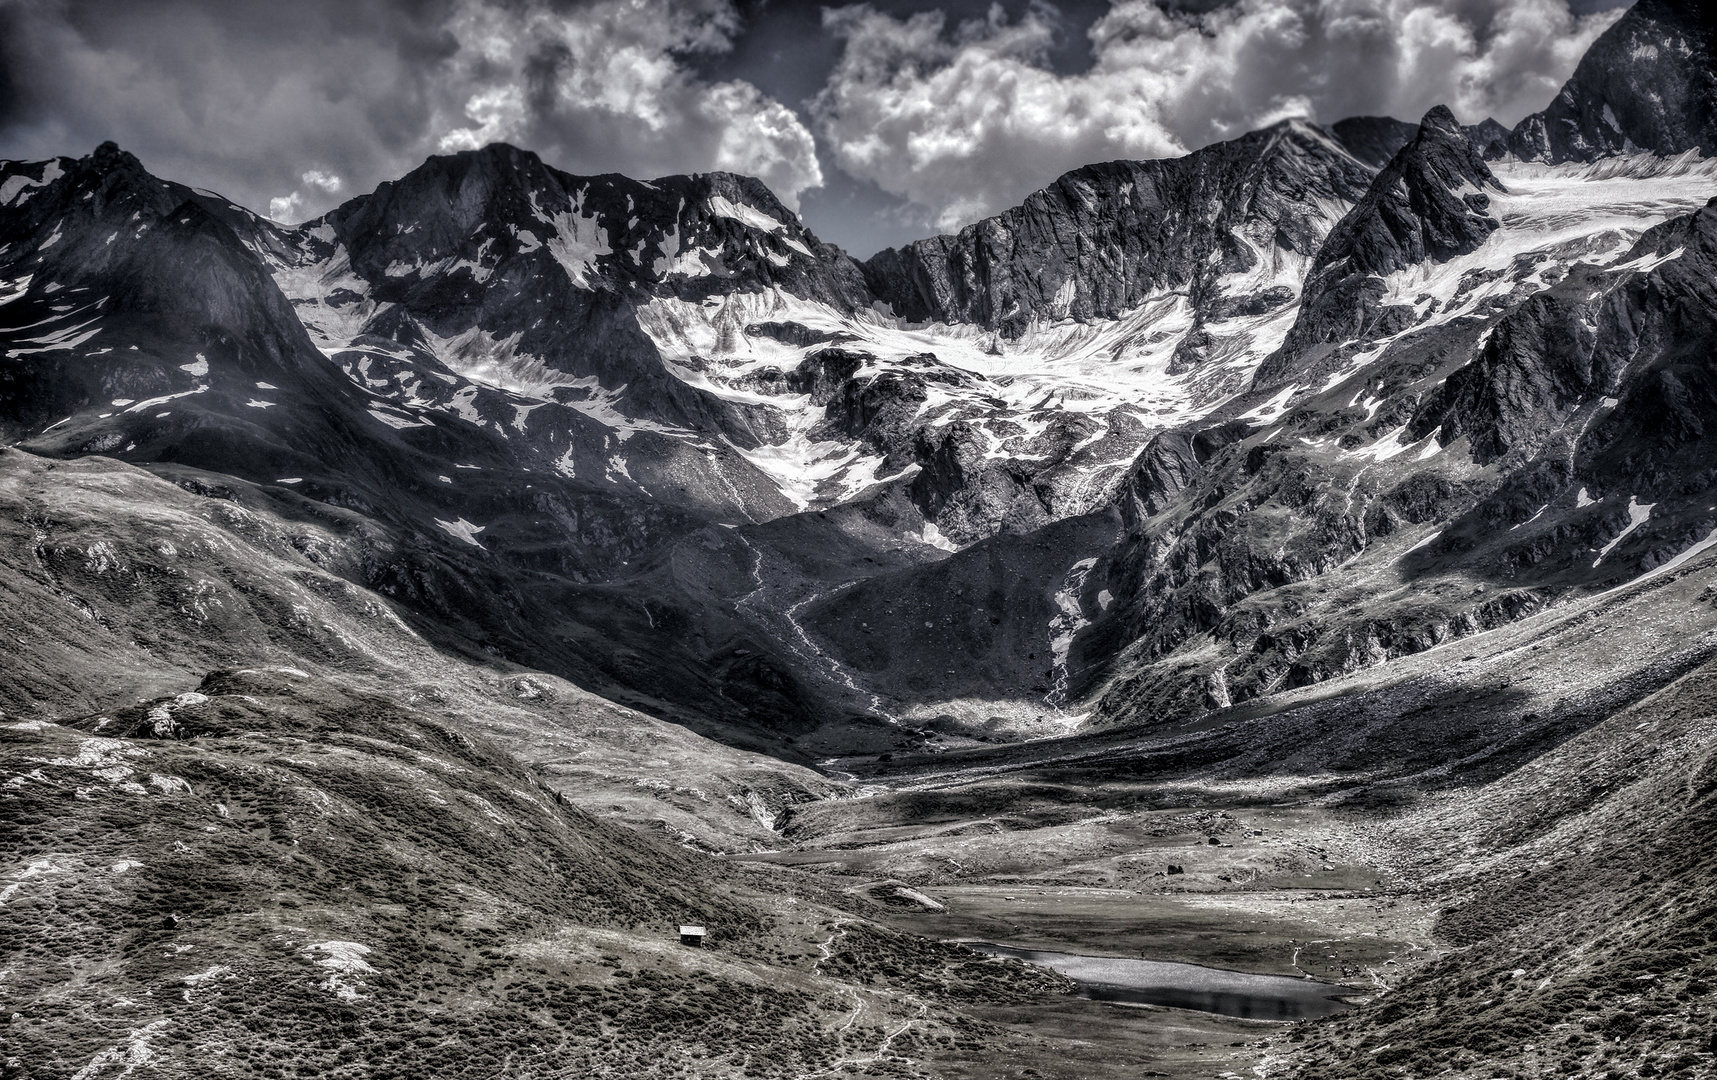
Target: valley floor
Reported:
point(1546, 911)
point(342, 854)
point(1295, 891)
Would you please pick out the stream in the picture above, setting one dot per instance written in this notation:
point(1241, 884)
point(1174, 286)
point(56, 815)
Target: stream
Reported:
point(1184, 986)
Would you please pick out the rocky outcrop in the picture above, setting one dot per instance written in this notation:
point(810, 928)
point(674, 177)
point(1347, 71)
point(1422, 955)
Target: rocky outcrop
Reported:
point(1647, 84)
point(1171, 463)
point(1101, 239)
point(1430, 203)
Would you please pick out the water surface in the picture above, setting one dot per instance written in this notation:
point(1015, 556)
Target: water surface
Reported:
point(1185, 986)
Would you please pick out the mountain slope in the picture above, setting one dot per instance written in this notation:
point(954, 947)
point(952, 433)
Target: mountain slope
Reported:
point(155, 324)
point(1336, 534)
point(1103, 239)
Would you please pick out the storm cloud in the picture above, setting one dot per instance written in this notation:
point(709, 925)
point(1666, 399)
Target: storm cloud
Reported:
point(946, 116)
point(296, 106)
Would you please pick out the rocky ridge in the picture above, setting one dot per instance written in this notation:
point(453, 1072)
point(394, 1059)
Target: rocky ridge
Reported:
point(1103, 239)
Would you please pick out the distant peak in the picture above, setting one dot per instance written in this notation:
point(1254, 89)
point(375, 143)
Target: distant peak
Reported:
point(108, 157)
point(1442, 118)
point(1648, 83)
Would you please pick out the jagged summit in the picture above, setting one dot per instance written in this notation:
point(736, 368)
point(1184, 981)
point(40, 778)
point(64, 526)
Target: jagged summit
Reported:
point(1649, 83)
point(1430, 202)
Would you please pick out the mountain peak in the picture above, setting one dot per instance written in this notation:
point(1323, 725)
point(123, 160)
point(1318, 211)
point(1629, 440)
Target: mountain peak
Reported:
point(1647, 84)
point(109, 156)
point(1441, 118)
point(110, 168)
point(1427, 204)
point(1101, 239)
point(1411, 211)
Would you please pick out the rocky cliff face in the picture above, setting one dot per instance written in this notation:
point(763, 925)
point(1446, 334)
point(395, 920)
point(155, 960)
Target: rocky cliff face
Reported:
point(1647, 84)
point(1103, 239)
point(1632, 340)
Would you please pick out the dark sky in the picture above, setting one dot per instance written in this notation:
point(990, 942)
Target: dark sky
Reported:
point(880, 122)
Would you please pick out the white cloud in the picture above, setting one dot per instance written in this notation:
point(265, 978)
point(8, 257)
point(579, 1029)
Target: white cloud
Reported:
point(494, 114)
point(322, 181)
point(289, 209)
point(969, 119)
point(286, 208)
point(604, 87)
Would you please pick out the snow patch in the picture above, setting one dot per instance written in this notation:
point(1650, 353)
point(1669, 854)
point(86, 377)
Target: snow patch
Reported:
point(1068, 621)
point(1638, 512)
point(135, 1053)
point(1423, 542)
point(1272, 409)
point(344, 962)
point(749, 216)
point(933, 536)
point(577, 243)
point(461, 529)
point(207, 976)
point(14, 290)
point(398, 421)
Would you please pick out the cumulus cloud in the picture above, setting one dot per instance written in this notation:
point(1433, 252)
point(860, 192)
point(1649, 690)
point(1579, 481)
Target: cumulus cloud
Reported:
point(966, 119)
point(605, 86)
point(314, 99)
point(289, 208)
